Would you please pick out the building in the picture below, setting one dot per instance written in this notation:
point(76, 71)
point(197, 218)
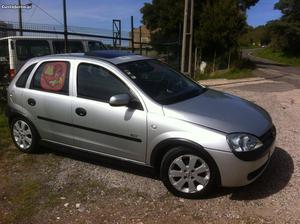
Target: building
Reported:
point(142, 32)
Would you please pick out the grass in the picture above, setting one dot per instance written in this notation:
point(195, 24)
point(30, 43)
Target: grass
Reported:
point(235, 73)
point(4, 130)
point(277, 56)
point(26, 198)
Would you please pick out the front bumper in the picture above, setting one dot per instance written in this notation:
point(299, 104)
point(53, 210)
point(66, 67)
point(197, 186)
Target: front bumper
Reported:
point(235, 172)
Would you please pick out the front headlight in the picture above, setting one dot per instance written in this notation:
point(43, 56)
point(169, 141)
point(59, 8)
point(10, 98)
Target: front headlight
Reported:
point(240, 142)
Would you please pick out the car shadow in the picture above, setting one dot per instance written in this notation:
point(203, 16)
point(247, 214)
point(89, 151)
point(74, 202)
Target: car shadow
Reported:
point(276, 176)
point(104, 161)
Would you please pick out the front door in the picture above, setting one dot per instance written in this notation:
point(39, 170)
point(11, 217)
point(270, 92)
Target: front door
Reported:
point(116, 131)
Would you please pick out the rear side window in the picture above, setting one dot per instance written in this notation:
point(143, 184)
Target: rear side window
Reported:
point(74, 47)
point(52, 77)
point(97, 83)
point(3, 49)
point(21, 83)
point(32, 48)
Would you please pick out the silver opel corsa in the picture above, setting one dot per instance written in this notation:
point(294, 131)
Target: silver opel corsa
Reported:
point(138, 109)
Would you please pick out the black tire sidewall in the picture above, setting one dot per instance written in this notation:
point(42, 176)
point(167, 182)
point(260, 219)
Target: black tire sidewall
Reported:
point(179, 151)
point(35, 137)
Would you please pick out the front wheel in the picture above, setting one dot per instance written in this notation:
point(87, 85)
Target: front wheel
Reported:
point(24, 135)
point(189, 173)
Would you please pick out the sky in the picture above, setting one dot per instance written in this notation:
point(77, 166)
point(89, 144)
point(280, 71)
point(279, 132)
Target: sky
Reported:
point(262, 12)
point(100, 13)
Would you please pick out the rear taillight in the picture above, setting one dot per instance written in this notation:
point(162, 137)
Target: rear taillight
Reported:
point(11, 74)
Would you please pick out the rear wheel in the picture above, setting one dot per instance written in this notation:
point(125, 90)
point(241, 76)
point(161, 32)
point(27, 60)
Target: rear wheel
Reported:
point(24, 135)
point(188, 173)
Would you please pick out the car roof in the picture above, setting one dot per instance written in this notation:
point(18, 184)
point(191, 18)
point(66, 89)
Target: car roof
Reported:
point(60, 38)
point(113, 56)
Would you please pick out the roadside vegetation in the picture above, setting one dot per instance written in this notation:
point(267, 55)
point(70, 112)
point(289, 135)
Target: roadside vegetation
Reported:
point(282, 36)
point(242, 68)
point(227, 74)
point(277, 56)
point(4, 131)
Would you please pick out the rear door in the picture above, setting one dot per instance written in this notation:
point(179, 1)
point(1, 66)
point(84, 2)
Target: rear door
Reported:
point(117, 131)
point(48, 102)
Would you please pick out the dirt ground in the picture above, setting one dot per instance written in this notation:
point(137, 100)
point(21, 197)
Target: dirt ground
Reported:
point(60, 187)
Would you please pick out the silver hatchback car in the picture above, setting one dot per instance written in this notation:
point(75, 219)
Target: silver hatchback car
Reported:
point(140, 110)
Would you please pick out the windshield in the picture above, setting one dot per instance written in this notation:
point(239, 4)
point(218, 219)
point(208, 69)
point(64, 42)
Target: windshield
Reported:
point(160, 82)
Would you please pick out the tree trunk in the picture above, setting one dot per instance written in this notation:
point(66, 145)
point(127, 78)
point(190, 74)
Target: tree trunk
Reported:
point(229, 59)
point(214, 61)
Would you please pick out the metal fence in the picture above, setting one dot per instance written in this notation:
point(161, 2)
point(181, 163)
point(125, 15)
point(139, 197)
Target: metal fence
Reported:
point(137, 41)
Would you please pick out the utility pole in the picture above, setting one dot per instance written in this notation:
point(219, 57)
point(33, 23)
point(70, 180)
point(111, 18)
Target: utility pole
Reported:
point(65, 27)
point(20, 19)
point(187, 40)
point(132, 35)
point(141, 46)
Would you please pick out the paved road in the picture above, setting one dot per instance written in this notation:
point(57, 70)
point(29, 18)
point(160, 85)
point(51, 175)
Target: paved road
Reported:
point(272, 70)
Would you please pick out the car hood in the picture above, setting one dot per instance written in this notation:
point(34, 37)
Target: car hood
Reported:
point(223, 112)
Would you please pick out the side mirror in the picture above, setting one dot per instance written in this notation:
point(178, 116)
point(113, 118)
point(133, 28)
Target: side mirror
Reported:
point(119, 100)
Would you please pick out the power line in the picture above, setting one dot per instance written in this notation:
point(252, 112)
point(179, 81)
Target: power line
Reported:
point(33, 12)
point(47, 13)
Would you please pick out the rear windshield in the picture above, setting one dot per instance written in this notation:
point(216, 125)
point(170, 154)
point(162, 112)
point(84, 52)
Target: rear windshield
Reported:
point(27, 49)
point(74, 47)
point(96, 45)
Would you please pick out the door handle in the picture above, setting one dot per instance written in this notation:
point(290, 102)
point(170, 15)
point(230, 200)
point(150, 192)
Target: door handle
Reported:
point(31, 102)
point(80, 111)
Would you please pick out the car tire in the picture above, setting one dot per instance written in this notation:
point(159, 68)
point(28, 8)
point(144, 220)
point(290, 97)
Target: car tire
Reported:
point(189, 173)
point(24, 135)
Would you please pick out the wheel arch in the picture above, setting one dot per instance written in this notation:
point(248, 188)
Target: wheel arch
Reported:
point(13, 114)
point(165, 146)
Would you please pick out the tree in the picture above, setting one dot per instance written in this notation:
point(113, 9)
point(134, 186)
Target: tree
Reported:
point(221, 24)
point(286, 31)
point(217, 23)
point(258, 35)
point(246, 4)
point(167, 15)
point(290, 9)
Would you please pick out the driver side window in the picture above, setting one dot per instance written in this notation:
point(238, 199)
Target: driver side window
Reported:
point(97, 83)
